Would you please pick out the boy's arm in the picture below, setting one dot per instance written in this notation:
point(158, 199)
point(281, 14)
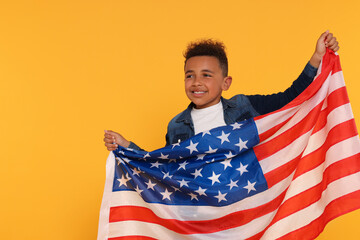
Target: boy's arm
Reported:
point(267, 103)
point(113, 140)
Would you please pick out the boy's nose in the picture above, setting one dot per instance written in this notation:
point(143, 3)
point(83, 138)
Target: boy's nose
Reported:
point(196, 81)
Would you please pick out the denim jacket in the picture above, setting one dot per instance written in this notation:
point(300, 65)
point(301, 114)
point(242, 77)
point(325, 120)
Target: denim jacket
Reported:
point(239, 108)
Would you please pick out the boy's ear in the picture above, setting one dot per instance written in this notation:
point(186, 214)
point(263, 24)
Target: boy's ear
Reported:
point(227, 83)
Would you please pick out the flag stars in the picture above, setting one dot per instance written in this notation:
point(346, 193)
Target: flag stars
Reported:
point(118, 160)
point(206, 132)
point(242, 169)
point(242, 144)
point(214, 178)
point(232, 184)
point(167, 175)
point(146, 155)
point(164, 156)
point(150, 185)
point(224, 137)
point(183, 165)
point(201, 191)
point(197, 173)
point(236, 126)
point(221, 197)
point(200, 156)
point(136, 171)
point(250, 186)
point(156, 164)
point(211, 150)
point(230, 155)
point(122, 181)
point(226, 163)
point(138, 190)
point(175, 145)
point(183, 183)
point(193, 196)
point(166, 194)
point(192, 147)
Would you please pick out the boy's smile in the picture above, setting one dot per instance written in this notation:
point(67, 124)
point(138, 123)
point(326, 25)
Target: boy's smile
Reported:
point(204, 81)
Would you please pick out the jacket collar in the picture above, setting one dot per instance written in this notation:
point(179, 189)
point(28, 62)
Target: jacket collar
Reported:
point(185, 116)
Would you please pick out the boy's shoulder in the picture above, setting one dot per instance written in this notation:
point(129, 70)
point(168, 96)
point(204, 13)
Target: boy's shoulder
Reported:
point(184, 116)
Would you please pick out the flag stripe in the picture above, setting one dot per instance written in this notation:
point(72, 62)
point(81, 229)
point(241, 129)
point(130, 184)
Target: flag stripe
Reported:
point(137, 237)
point(232, 220)
point(340, 206)
point(336, 134)
point(305, 216)
point(335, 100)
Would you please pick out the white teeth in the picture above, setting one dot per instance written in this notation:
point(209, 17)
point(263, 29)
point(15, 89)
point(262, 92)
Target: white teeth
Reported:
point(198, 92)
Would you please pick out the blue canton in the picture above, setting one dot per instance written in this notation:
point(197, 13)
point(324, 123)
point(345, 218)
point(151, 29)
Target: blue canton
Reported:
point(214, 168)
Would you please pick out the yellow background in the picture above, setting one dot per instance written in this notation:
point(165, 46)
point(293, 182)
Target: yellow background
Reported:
point(70, 69)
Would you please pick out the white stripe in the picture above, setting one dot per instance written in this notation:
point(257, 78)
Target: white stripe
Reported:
point(193, 213)
point(336, 116)
point(286, 154)
point(337, 81)
point(336, 153)
point(305, 216)
point(266, 123)
point(103, 229)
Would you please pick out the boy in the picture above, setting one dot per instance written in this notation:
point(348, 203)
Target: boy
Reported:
point(206, 76)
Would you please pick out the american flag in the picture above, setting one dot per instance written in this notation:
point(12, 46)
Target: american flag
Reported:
point(283, 175)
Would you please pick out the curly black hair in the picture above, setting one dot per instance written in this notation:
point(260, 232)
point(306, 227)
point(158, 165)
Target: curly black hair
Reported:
point(208, 47)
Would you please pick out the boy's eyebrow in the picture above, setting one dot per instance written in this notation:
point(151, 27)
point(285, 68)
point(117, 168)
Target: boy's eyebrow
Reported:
point(204, 70)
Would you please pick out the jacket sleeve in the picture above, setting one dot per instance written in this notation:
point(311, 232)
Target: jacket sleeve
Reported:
point(267, 103)
point(135, 147)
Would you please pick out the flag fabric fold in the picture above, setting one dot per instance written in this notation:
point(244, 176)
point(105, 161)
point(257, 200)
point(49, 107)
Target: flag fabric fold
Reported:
point(283, 175)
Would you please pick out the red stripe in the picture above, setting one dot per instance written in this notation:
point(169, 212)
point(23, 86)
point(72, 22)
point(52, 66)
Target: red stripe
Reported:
point(336, 99)
point(336, 208)
point(284, 139)
point(132, 238)
point(135, 213)
point(337, 134)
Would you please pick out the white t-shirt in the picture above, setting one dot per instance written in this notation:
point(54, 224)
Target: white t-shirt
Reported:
point(208, 118)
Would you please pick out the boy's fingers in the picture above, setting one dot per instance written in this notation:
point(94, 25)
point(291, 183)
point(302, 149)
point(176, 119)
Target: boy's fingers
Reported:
point(108, 135)
point(108, 140)
point(110, 145)
point(328, 37)
point(324, 35)
point(332, 41)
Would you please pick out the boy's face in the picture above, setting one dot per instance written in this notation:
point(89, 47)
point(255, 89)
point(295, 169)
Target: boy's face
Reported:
point(204, 81)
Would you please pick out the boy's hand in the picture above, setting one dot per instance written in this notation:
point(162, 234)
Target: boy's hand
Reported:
point(113, 140)
point(326, 40)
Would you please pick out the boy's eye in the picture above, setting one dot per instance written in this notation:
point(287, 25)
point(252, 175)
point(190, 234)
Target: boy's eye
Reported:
point(207, 75)
point(188, 76)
